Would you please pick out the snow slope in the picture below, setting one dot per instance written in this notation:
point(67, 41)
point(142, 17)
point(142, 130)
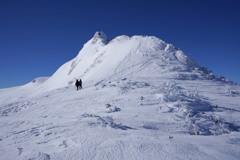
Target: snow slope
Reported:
point(100, 59)
point(142, 99)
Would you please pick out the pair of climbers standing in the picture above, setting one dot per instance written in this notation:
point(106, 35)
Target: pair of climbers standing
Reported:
point(78, 84)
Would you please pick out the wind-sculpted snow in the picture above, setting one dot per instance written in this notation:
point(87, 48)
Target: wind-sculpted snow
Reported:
point(129, 118)
point(13, 108)
point(105, 121)
point(141, 99)
point(196, 111)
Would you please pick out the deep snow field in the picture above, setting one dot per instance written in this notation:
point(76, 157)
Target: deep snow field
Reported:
point(155, 112)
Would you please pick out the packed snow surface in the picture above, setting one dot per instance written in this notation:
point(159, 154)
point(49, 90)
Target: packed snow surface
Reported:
point(141, 99)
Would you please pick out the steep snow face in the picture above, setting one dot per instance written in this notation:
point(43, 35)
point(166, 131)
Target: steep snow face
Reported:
point(72, 70)
point(100, 60)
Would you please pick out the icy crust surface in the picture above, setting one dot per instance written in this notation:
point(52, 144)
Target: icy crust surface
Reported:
point(128, 118)
point(141, 99)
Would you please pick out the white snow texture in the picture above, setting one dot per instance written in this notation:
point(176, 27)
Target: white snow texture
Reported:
point(142, 99)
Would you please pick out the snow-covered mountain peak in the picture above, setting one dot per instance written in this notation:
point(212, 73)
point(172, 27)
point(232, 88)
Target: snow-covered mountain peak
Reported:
point(121, 57)
point(99, 37)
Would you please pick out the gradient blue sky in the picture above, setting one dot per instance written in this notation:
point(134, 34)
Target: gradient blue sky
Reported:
point(38, 36)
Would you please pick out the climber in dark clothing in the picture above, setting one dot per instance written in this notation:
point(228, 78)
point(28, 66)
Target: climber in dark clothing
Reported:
point(77, 84)
point(80, 84)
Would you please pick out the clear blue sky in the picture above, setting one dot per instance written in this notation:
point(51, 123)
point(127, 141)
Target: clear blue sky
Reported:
point(38, 36)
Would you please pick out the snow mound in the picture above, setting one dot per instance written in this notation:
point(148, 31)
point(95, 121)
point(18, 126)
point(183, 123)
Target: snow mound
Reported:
point(40, 80)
